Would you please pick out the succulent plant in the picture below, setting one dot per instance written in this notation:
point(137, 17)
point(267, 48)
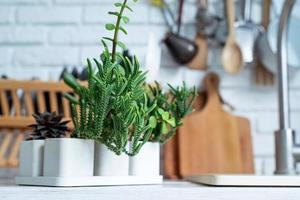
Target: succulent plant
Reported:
point(115, 107)
point(171, 108)
point(48, 125)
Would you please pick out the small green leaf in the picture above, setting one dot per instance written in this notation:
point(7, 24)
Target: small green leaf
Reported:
point(71, 98)
point(165, 116)
point(160, 111)
point(123, 30)
point(125, 19)
point(152, 122)
point(164, 128)
point(130, 9)
point(118, 4)
point(114, 13)
point(110, 27)
point(171, 122)
point(122, 45)
point(109, 39)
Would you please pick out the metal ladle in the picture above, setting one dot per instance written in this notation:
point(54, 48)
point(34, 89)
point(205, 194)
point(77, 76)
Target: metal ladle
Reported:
point(247, 32)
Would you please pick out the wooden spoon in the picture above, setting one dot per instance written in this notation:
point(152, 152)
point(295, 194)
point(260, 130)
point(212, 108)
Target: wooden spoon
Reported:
point(232, 58)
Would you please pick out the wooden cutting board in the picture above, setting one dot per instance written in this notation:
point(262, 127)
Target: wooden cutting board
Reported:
point(211, 140)
point(171, 151)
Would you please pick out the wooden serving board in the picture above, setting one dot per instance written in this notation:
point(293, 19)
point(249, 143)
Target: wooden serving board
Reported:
point(211, 139)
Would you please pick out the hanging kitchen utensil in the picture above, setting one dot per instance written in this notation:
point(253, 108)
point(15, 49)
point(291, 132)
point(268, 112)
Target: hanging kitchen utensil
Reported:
point(263, 76)
point(221, 32)
point(179, 17)
point(199, 62)
point(247, 32)
point(181, 48)
point(167, 13)
point(206, 23)
point(211, 140)
point(232, 58)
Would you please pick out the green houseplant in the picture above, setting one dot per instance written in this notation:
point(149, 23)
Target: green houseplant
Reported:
point(116, 106)
point(113, 108)
point(171, 108)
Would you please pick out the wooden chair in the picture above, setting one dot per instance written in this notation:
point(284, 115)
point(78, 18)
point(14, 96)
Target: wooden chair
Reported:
point(18, 101)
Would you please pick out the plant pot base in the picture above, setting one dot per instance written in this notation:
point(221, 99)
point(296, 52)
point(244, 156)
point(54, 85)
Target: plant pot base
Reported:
point(89, 181)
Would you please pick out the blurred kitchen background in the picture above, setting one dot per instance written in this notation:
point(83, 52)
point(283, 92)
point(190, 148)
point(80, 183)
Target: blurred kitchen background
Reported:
point(38, 38)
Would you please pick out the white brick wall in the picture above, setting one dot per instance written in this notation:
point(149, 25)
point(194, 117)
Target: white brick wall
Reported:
point(37, 37)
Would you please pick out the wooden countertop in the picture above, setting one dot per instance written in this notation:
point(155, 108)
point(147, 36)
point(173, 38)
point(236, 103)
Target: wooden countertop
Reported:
point(168, 190)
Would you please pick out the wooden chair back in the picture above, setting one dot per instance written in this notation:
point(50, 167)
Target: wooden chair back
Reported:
point(18, 101)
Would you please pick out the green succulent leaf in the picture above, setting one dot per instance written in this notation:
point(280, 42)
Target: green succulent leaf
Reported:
point(114, 13)
point(125, 19)
point(123, 30)
point(122, 45)
point(118, 4)
point(164, 128)
point(160, 111)
point(171, 121)
point(71, 98)
point(71, 82)
point(152, 122)
point(165, 116)
point(110, 27)
point(130, 9)
point(109, 39)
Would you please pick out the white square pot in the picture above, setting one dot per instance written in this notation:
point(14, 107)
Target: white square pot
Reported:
point(147, 161)
point(31, 158)
point(68, 157)
point(107, 163)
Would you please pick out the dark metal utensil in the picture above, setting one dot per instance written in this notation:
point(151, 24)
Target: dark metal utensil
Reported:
point(206, 23)
point(179, 17)
point(182, 49)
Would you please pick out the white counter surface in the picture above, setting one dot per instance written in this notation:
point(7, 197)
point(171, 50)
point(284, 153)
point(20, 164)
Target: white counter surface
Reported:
point(168, 190)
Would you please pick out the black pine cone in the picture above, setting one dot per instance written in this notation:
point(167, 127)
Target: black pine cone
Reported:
point(48, 125)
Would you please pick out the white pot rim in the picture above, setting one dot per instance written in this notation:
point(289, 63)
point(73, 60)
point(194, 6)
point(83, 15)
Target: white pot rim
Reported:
point(34, 140)
point(68, 139)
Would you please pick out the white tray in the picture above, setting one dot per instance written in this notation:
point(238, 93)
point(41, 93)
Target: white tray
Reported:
point(246, 180)
point(88, 181)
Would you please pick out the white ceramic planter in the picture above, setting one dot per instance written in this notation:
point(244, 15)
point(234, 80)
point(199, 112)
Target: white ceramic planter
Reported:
point(68, 157)
point(31, 158)
point(107, 163)
point(147, 161)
